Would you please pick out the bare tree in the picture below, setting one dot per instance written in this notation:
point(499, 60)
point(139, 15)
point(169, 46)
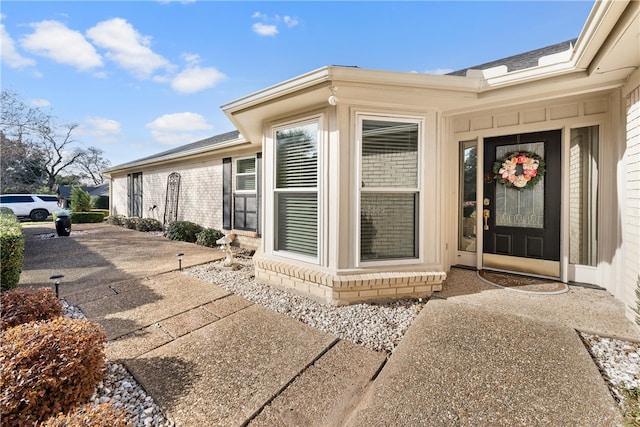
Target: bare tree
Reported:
point(48, 150)
point(90, 163)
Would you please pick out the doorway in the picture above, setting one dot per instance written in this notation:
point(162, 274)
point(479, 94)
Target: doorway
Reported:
point(521, 204)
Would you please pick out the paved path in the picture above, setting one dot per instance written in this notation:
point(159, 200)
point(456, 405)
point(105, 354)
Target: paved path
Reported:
point(474, 356)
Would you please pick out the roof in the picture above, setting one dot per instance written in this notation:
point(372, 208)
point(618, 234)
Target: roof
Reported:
point(522, 60)
point(98, 190)
point(200, 145)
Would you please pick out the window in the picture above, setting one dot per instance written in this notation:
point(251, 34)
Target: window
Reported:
point(49, 198)
point(389, 189)
point(245, 214)
point(16, 199)
point(583, 196)
point(467, 202)
point(296, 189)
point(246, 175)
point(135, 194)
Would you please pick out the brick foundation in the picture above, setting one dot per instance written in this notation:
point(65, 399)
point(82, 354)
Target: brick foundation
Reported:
point(351, 288)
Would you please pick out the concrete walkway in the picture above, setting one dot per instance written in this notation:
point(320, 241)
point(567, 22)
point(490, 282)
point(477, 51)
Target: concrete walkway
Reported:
point(474, 356)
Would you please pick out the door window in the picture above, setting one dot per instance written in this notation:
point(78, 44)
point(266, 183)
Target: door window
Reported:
point(515, 208)
point(467, 218)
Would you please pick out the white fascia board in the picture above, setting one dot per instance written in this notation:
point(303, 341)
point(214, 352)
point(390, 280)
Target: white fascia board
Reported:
point(347, 75)
point(176, 156)
point(289, 86)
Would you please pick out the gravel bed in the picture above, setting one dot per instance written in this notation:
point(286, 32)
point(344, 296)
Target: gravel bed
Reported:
point(618, 361)
point(379, 327)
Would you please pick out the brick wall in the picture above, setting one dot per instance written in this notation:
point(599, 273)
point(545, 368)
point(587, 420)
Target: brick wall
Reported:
point(631, 214)
point(348, 289)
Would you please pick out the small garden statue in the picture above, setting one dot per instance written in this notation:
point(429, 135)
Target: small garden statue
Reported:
point(226, 246)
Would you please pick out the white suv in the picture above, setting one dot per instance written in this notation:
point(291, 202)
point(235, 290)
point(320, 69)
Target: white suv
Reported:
point(35, 206)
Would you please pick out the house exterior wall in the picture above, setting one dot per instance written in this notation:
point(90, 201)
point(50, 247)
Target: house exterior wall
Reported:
point(631, 222)
point(200, 195)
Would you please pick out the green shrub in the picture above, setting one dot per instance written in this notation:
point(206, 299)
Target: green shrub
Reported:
point(11, 251)
point(86, 217)
point(116, 220)
point(48, 367)
point(80, 200)
point(90, 414)
point(101, 202)
point(23, 305)
point(104, 212)
point(148, 224)
point(208, 237)
point(130, 222)
point(6, 211)
point(185, 231)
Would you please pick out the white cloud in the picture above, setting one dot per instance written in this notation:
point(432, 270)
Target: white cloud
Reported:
point(290, 22)
point(179, 128)
point(54, 40)
point(195, 79)
point(265, 30)
point(40, 103)
point(269, 25)
point(100, 129)
point(8, 52)
point(439, 71)
point(127, 48)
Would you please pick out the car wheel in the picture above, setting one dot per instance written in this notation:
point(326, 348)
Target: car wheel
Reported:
point(39, 215)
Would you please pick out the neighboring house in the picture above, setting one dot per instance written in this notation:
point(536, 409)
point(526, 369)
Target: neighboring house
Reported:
point(374, 184)
point(64, 192)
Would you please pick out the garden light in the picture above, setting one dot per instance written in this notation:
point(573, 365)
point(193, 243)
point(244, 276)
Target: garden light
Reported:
point(56, 281)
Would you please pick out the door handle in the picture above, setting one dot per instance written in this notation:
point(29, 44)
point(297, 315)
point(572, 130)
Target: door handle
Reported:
point(486, 213)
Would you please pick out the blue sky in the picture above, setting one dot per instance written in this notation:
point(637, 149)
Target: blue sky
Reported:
point(141, 77)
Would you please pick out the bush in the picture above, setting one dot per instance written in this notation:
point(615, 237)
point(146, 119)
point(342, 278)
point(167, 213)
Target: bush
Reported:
point(116, 220)
point(148, 224)
point(90, 414)
point(104, 212)
point(80, 200)
point(86, 217)
point(24, 305)
point(208, 237)
point(11, 251)
point(101, 202)
point(130, 222)
point(48, 367)
point(185, 231)
point(6, 211)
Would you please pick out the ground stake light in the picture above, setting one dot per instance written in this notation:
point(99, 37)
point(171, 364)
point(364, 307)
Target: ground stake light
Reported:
point(56, 281)
point(180, 255)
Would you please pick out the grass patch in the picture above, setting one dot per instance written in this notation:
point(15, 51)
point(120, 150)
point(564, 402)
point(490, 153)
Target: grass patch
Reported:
point(632, 407)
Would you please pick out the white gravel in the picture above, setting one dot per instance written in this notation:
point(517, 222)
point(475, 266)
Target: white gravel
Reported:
point(377, 326)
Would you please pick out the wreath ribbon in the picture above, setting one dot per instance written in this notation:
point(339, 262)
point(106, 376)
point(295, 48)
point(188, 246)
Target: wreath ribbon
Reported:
point(519, 169)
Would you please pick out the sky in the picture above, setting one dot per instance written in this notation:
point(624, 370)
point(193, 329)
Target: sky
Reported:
point(142, 77)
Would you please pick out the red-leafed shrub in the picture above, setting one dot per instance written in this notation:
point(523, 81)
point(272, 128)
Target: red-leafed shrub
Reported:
point(90, 415)
point(24, 305)
point(48, 367)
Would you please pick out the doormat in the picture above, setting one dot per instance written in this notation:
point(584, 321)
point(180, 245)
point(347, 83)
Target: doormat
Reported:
point(526, 284)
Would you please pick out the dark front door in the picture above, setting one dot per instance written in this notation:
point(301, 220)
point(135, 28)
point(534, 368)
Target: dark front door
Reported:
point(521, 205)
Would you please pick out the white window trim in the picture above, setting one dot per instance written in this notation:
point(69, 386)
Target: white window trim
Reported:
point(420, 120)
point(236, 175)
point(318, 259)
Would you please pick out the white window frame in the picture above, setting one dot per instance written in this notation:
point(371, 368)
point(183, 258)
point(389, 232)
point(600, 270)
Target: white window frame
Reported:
point(237, 174)
point(420, 121)
point(318, 190)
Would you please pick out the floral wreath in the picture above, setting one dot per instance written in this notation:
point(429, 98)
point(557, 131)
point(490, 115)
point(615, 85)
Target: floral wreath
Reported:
point(520, 169)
